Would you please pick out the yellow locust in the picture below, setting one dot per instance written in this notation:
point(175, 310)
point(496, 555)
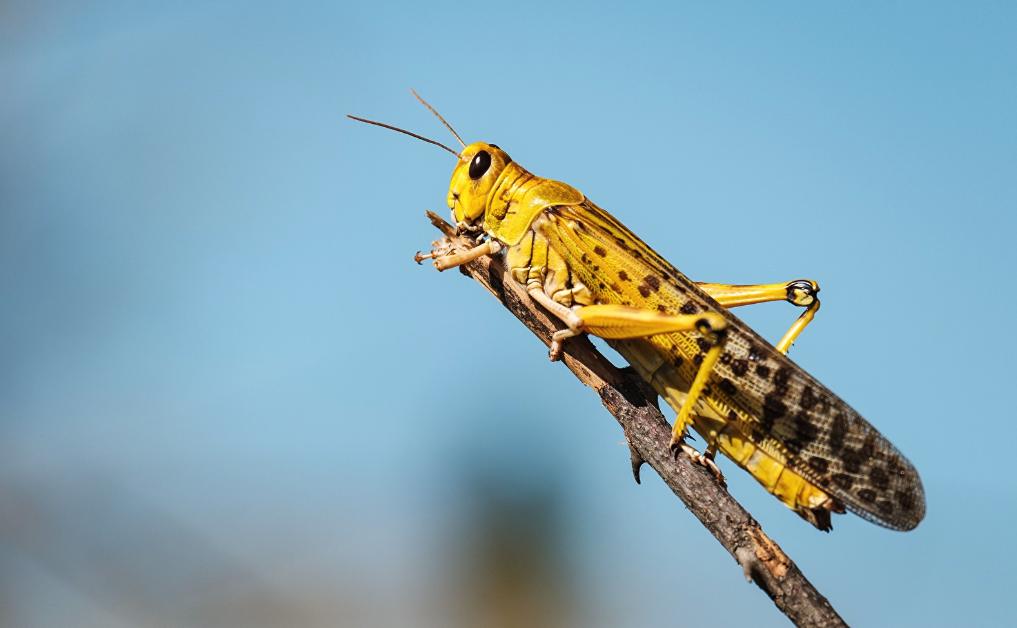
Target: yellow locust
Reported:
point(741, 394)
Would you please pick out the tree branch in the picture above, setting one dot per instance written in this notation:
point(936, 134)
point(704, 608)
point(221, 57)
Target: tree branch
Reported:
point(634, 404)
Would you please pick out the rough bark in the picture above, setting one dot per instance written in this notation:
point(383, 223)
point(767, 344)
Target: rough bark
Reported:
point(634, 405)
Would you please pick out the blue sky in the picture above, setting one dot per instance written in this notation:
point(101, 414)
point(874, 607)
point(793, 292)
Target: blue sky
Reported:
point(209, 313)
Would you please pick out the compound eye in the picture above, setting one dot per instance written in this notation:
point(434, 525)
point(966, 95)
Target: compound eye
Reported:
point(481, 162)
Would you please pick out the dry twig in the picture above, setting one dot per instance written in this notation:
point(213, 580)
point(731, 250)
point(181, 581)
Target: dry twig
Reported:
point(634, 405)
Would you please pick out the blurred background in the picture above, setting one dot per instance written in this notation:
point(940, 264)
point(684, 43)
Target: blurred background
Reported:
point(228, 397)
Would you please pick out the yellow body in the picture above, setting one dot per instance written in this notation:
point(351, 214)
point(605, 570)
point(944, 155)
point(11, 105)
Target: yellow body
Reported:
point(799, 440)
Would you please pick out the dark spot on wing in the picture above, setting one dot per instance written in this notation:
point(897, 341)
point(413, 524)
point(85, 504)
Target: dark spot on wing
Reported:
point(624, 276)
point(704, 344)
point(727, 387)
point(739, 367)
point(763, 371)
point(808, 432)
point(838, 431)
point(689, 308)
point(599, 250)
point(852, 461)
point(879, 479)
point(780, 380)
point(661, 308)
point(843, 480)
point(819, 465)
point(643, 291)
point(773, 409)
point(653, 281)
point(805, 432)
point(809, 399)
point(868, 448)
point(906, 499)
point(867, 495)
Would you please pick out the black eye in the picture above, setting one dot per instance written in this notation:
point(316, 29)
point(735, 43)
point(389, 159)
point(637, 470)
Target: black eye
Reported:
point(481, 162)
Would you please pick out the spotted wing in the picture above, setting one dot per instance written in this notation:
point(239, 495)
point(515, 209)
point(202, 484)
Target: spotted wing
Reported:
point(778, 405)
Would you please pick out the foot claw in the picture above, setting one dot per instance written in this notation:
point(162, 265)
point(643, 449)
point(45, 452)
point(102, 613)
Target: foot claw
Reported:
point(677, 445)
point(439, 249)
point(704, 459)
point(712, 466)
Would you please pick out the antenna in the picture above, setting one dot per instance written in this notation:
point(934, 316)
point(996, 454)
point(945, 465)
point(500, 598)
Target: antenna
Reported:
point(437, 115)
point(419, 137)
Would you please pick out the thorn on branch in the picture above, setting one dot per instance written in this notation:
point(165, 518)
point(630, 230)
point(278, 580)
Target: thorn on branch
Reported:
point(637, 460)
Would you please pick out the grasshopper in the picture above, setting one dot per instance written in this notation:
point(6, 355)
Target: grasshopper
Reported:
point(741, 394)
